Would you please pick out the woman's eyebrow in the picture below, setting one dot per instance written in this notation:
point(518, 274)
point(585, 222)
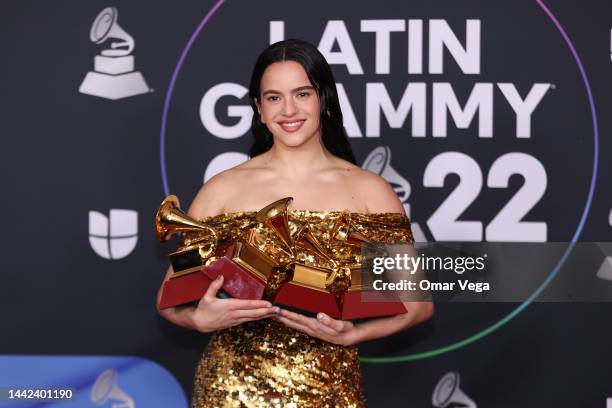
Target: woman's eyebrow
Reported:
point(301, 88)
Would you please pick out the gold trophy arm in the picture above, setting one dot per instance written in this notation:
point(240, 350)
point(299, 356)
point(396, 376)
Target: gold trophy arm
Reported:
point(338, 274)
point(200, 243)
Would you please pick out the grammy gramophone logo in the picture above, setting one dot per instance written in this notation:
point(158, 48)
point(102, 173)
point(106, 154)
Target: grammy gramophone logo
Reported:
point(378, 161)
point(448, 393)
point(605, 270)
point(113, 76)
point(107, 389)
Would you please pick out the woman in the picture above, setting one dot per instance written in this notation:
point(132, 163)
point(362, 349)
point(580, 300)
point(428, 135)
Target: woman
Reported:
point(263, 355)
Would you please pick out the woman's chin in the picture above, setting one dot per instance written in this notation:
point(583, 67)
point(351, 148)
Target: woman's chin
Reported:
point(293, 140)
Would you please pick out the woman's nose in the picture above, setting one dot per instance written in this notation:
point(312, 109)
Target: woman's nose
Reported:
point(289, 108)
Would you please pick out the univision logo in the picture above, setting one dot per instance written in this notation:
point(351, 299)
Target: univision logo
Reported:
point(115, 236)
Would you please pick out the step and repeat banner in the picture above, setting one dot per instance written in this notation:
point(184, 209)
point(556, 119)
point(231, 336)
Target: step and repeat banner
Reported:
point(489, 119)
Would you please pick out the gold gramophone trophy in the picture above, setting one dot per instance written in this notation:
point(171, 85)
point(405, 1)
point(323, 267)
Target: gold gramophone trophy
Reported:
point(344, 232)
point(337, 290)
point(314, 289)
point(251, 273)
point(247, 270)
point(198, 245)
point(200, 258)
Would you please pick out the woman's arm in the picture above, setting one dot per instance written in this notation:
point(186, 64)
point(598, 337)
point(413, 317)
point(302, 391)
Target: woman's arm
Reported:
point(384, 199)
point(417, 312)
point(346, 333)
point(206, 202)
point(180, 315)
point(212, 313)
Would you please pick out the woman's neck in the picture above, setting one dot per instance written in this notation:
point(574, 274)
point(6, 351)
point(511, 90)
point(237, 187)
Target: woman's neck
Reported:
point(299, 160)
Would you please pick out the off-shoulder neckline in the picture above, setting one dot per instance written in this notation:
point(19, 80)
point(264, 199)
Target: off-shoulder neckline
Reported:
point(294, 211)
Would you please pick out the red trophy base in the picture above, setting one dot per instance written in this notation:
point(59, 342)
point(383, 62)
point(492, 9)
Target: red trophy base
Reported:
point(237, 282)
point(184, 289)
point(378, 304)
point(308, 299)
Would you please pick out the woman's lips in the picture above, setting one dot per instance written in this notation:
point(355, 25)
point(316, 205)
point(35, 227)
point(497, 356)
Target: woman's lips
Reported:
point(292, 126)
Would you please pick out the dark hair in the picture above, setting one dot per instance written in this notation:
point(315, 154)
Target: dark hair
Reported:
point(320, 75)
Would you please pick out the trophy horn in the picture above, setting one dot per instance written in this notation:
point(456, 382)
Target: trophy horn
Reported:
point(275, 217)
point(343, 231)
point(170, 219)
point(305, 239)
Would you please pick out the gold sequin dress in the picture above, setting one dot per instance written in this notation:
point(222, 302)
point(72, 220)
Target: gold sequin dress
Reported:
point(266, 364)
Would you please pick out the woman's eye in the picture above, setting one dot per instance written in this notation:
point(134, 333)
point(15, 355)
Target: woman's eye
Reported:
point(303, 94)
point(272, 98)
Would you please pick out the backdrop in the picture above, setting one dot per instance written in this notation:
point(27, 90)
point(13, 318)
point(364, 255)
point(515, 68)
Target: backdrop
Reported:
point(490, 119)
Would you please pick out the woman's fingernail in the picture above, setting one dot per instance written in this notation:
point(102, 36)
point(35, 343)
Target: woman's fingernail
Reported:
point(219, 277)
point(320, 316)
point(276, 309)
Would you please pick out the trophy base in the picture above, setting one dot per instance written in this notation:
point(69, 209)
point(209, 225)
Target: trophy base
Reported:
point(237, 282)
point(184, 289)
point(113, 86)
point(310, 301)
point(379, 304)
point(113, 65)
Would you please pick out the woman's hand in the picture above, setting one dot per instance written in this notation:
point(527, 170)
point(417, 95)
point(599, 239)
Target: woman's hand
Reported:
point(323, 327)
point(213, 313)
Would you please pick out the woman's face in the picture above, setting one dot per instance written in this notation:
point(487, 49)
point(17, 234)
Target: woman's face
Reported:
point(289, 104)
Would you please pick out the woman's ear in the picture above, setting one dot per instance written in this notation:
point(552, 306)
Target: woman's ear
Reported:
point(258, 110)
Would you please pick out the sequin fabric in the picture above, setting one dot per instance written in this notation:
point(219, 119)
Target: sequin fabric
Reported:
point(266, 364)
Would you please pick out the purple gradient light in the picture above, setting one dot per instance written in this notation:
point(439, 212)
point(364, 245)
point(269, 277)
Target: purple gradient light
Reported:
point(177, 69)
point(585, 79)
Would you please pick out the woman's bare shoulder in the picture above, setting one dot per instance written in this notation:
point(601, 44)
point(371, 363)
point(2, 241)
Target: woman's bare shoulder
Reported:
point(215, 192)
point(209, 198)
point(374, 190)
point(220, 189)
point(353, 173)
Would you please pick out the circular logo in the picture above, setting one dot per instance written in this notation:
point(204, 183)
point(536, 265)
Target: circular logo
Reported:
point(477, 130)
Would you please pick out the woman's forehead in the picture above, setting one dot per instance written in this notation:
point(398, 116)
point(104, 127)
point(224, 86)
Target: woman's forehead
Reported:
point(284, 76)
